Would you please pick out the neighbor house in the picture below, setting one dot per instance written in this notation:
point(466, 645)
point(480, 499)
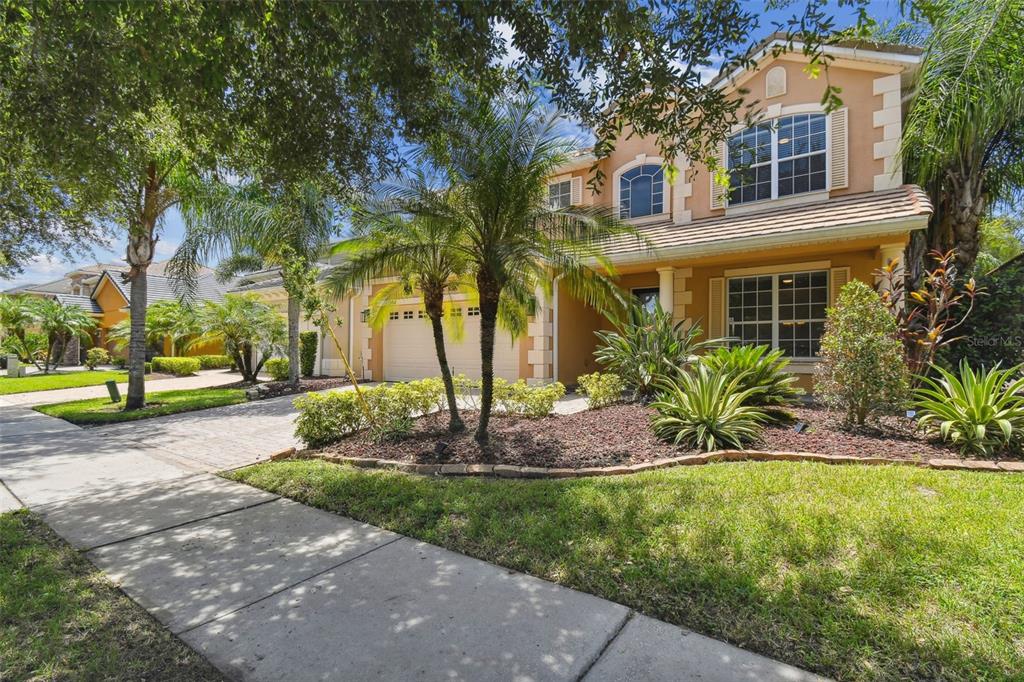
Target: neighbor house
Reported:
point(100, 291)
point(816, 199)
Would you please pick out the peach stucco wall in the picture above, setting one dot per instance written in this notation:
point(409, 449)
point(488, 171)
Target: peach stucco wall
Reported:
point(858, 98)
point(577, 323)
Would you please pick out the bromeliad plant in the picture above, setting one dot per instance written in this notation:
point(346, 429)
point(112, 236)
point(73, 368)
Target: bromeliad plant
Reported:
point(647, 347)
point(980, 412)
point(707, 409)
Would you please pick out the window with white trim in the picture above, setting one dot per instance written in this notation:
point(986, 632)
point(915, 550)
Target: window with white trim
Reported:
point(778, 159)
point(407, 314)
point(642, 191)
point(393, 315)
point(784, 311)
point(560, 194)
point(473, 311)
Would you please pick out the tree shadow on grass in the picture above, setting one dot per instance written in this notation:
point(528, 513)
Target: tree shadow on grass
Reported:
point(855, 588)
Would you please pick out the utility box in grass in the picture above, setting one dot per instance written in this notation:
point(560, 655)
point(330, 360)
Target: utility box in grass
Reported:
point(115, 394)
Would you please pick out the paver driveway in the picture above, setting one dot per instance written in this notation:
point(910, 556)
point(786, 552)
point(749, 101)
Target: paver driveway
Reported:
point(269, 589)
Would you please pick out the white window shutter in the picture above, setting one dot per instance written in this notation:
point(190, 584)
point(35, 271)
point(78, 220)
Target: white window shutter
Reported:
point(718, 193)
point(716, 308)
point(576, 191)
point(839, 163)
point(838, 278)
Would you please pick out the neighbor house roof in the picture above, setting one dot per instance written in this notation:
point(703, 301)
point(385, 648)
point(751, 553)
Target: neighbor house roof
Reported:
point(84, 302)
point(160, 288)
point(891, 211)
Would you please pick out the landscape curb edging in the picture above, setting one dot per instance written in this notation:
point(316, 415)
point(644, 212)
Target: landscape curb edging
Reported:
point(510, 471)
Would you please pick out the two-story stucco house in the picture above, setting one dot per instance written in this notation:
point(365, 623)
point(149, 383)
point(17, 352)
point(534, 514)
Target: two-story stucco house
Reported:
point(815, 200)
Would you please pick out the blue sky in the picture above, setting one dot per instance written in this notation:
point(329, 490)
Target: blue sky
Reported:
point(50, 268)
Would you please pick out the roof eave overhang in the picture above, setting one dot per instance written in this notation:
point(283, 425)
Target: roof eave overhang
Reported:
point(824, 235)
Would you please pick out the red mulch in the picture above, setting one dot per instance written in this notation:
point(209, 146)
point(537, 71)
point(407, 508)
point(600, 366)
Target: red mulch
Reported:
point(620, 435)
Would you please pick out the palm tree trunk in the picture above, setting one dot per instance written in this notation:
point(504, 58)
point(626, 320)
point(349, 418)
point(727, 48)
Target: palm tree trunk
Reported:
point(489, 295)
point(454, 420)
point(293, 341)
point(136, 397)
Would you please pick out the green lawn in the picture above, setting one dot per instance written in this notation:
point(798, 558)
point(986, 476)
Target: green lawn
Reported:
point(101, 411)
point(860, 573)
point(60, 619)
point(49, 382)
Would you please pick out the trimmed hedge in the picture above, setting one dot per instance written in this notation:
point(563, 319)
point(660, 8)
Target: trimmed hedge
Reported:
point(214, 361)
point(307, 352)
point(277, 368)
point(181, 367)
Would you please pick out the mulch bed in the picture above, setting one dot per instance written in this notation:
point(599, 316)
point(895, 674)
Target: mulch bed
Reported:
point(619, 435)
point(274, 389)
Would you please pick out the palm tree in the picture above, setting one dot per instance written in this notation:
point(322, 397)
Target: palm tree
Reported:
point(251, 331)
point(60, 322)
point(497, 158)
point(964, 132)
point(16, 314)
point(254, 228)
point(164, 319)
point(423, 253)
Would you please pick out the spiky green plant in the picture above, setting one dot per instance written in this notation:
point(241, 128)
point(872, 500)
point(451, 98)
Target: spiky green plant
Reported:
point(758, 367)
point(707, 409)
point(646, 346)
point(979, 411)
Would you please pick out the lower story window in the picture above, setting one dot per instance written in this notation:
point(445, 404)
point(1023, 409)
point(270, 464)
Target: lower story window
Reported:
point(647, 297)
point(784, 311)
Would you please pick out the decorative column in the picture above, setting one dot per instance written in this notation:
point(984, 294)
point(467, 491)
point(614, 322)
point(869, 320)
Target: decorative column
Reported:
point(540, 329)
point(666, 289)
point(682, 296)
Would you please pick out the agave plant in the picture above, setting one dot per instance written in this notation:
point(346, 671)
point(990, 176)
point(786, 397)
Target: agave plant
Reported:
point(647, 347)
point(980, 412)
point(758, 367)
point(706, 409)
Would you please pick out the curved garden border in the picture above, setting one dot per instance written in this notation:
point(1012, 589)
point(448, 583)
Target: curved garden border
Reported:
point(509, 471)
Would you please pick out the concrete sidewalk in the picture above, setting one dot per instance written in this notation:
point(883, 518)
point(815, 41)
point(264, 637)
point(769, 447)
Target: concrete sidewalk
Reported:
point(270, 589)
point(203, 379)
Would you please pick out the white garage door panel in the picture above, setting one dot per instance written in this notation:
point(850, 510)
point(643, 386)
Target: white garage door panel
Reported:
point(409, 349)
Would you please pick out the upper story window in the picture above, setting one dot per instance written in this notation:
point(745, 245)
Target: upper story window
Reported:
point(768, 161)
point(560, 194)
point(642, 191)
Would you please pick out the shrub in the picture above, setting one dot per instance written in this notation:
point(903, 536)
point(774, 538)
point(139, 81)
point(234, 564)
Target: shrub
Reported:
point(707, 409)
point(519, 398)
point(392, 409)
point(214, 361)
point(992, 334)
point(147, 368)
point(601, 389)
point(758, 367)
point(980, 412)
point(468, 390)
point(327, 417)
point(119, 361)
point(96, 356)
point(181, 367)
point(863, 367)
point(277, 368)
point(646, 347)
point(307, 352)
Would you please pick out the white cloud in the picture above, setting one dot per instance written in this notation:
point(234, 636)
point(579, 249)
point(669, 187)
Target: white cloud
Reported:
point(39, 270)
point(511, 53)
point(165, 248)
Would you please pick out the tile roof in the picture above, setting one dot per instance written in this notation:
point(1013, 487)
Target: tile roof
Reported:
point(812, 222)
point(160, 288)
point(83, 302)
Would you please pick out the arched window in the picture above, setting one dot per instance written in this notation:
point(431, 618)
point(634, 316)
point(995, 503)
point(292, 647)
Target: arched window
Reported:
point(642, 191)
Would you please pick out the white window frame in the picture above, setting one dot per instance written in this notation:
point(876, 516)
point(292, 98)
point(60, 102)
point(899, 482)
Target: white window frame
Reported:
point(642, 160)
point(568, 193)
point(774, 129)
point(775, 274)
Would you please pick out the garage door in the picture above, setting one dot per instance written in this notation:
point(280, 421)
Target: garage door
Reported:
point(409, 348)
